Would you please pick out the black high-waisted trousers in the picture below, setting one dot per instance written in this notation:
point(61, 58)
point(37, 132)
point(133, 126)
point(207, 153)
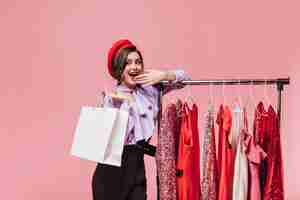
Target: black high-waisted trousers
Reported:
point(127, 182)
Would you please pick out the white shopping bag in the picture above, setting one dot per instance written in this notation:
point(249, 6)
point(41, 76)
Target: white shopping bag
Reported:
point(100, 135)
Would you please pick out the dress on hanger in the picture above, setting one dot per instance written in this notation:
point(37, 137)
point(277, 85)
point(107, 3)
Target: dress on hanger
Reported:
point(225, 154)
point(166, 153)
point(209, 184)
point(260, 124)
point(273, 188)
point(188, 163)
point(240, 178)
point(256, 154)
point(237, 125)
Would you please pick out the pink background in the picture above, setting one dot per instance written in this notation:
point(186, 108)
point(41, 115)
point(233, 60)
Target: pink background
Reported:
point(53, 58)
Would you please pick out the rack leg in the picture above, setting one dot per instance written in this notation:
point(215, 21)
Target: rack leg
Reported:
point(279, 89)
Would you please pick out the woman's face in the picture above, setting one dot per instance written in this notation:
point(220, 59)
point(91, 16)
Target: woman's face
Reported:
point(133, 67)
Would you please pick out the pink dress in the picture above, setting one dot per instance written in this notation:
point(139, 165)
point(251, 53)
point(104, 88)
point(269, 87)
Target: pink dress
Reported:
point(255, 155)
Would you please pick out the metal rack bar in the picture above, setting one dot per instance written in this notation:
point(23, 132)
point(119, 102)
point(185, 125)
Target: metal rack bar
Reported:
point(281, 81)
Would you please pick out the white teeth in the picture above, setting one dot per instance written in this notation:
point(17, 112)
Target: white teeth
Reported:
point(133, 74)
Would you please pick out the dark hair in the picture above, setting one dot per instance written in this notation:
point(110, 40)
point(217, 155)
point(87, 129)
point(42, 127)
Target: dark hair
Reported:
point(120, 61)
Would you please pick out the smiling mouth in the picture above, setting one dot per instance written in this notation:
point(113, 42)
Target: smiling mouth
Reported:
point(133, 73)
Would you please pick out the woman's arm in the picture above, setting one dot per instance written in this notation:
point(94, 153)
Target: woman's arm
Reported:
point(152, 77)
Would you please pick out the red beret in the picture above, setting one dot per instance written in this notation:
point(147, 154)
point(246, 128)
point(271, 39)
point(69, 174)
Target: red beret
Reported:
point(113, 52)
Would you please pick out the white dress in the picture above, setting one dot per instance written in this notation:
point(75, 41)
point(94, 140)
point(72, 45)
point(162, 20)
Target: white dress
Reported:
point(240, 178)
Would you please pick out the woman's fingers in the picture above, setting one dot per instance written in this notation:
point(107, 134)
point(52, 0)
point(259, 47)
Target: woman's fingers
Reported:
point(152, 82)
point(147, 82)
point(144, 81)
point(149, 77)
point(141, 76)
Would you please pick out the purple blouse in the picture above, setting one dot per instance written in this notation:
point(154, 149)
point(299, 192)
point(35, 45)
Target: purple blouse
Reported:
point(143, 110)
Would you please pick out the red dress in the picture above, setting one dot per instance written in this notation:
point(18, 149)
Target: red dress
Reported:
point(273, 188)
point(225, 154)
point(188, 164)
point(260, 124)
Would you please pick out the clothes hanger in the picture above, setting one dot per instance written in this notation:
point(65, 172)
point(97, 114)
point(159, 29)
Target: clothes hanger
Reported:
point(266, 96)
point(250, 98)
point(237, 102)
point(240, 96)
point(223, 93)
point(189, 99)
point(241, 124)
point(211, 97)
point(250, 106)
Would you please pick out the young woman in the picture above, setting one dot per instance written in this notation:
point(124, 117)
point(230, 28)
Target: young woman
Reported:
point(137, 92)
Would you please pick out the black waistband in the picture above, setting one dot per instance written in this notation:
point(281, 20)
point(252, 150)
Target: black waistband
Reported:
point(143, 146)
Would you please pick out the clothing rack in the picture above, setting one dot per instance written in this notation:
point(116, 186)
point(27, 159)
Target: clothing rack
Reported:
point(280, 82)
